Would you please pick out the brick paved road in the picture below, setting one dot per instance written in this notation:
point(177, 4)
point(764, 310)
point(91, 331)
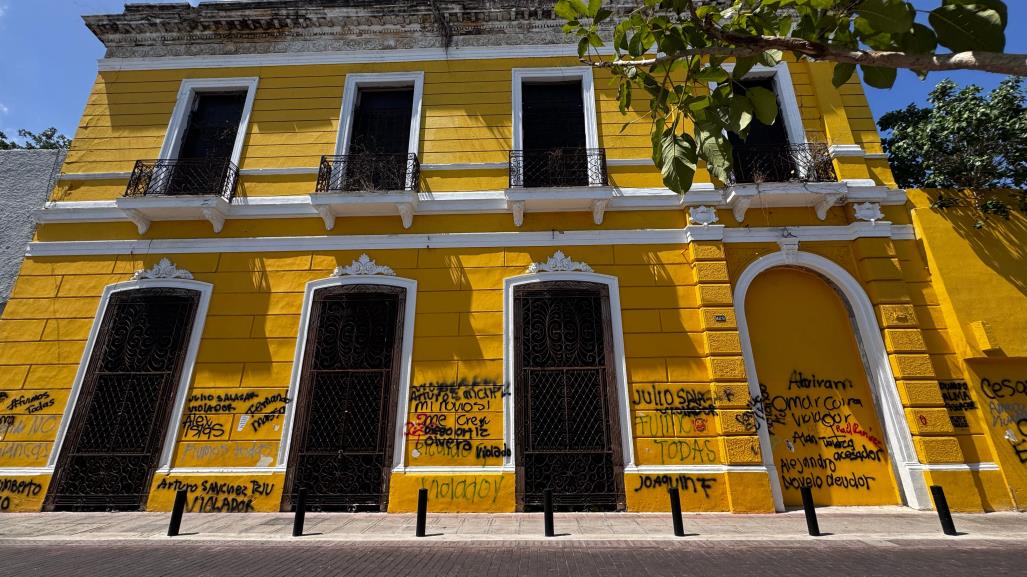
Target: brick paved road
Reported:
point(942, 558)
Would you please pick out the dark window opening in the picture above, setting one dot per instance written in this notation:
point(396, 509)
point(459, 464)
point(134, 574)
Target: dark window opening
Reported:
point(379, 147)
point(553, 121)
point(765, 155)
point(204, 157)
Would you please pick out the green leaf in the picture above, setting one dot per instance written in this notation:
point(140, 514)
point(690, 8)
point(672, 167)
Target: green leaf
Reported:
point(656, 136)
point(764, 103)
point(890, 16)
point(770, 58)
point(714, 74)
point(879, 77)
point(970, 27)
point(678, 154)
point(842, 73)
point(593, 7)
point(582, 47)
point(743, 66)
point(739, 113)
point(715, 149)
point(565, 9)
point(996, 5)
point(921, 40)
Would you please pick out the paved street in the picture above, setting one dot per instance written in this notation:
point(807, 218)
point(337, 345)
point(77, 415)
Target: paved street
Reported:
point(487, 559)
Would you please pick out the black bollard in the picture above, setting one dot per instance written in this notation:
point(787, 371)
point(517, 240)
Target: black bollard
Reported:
point(941, 504)
point(422, 511)
point(811, 511)
point(675, 510)
point(547, 506)
point(176, 513)
point(301, 513)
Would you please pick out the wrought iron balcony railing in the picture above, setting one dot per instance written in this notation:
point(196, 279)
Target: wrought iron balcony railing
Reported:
point(367, 172)
point(184, 177)
point(558, 167)
point(810, 162)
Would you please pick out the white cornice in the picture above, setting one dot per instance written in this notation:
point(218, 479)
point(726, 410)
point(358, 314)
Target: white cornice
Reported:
point(340, 57)
point(469, 239)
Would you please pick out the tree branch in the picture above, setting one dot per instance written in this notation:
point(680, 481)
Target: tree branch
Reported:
point(1013, 64)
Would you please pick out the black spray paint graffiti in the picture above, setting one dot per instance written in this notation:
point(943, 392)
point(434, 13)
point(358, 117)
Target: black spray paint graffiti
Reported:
point(33, 425)
point(201, 427)
point(454, 419)
point(680, 401)
point(956, 395)
point(22, 488)
point(219, 497)
point(1008, 406)
point(683, 483)
point(469, 490)
point(32, 403)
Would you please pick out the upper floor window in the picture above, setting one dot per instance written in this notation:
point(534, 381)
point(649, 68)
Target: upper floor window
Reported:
point(379, 135)
point(778, 152)
point(201, 150)
point(555, 133)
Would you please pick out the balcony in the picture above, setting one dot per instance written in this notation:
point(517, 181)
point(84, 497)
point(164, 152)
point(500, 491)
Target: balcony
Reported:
point(369, 173)
point(183, 177)
point(810, 162)
point(367, 184)
point(558, 167)
point(179, 189)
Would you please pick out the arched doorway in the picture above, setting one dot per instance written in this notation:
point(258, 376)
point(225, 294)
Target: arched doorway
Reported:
point(816, 400)
point(120, 418)
point(566, 418)
point(342, 433)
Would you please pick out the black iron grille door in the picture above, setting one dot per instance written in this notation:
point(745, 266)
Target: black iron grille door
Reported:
point(567, 430)
point(342, 436)
point(121, 417)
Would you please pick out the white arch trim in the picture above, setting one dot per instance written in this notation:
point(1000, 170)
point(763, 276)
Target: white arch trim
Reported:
point(620, 369)
point(406, 354)
point(192, 346)
point(882, 382)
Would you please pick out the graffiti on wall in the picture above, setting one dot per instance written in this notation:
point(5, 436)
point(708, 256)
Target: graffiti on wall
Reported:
point(468, 490)
point(687, 484)
point(459, 421)
point(216, 496)
point(1007, 404)
point(675, 424)
point(958, 402)
point(17, 489)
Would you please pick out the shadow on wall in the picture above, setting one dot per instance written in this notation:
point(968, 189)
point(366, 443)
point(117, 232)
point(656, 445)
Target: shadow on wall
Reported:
point(1001, 244)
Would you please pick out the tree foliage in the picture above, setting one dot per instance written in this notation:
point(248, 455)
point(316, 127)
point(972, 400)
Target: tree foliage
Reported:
point(675, 52)
point(49, 139)
point(963, 140)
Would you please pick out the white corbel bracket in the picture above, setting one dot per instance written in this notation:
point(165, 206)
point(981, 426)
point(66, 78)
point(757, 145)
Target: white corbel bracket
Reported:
point(215, 217)
point(517, 208)
point(599, 210)
point(142, 223)
point(406, 212)
point(825, 203)
point(326, 214)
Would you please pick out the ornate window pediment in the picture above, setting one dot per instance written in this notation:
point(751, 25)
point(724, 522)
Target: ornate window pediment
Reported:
point(363, 266)
point(559, 262)
point(162, 270)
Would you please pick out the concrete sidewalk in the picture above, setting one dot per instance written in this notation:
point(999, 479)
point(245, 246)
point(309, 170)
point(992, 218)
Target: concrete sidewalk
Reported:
point(874, 524)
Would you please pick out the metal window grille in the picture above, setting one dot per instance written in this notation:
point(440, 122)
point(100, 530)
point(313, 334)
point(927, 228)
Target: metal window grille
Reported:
point(809, 162)
point(369, 172)
point(184, 177)
point(558, 167)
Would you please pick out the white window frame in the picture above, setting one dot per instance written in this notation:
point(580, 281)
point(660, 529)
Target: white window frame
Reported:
point(543, 75)
point(405, 367)
point(787, 102)
point(354, 82)
point(185, 378)
point(187, 92)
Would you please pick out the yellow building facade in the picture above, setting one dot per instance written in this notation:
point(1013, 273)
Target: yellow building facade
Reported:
point(373, 260)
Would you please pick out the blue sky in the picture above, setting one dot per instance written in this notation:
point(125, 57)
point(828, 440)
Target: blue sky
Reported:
point(48, 62)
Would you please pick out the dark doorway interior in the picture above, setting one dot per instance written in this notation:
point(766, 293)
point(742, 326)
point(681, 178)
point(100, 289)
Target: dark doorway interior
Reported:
point(379, 147)
point(117, 432)
point(207, 143)
point(342, 437)
point(764, 156)
point(568, 434)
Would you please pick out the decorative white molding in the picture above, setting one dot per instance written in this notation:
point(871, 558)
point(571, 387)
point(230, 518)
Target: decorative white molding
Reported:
point(517, 209)
point(465, 166)
point(559, 262)
point(869, 211)
point(883, 229)
point(789, 248)
point(406, 213)
point(279, 171)
point(136, 216)
point(846, 150)
point(81, 176)
point(876, 156)
point(363, 266)
point(704, 215)
point(326, 214)
point(163, 269)
point(341, 57)
point(826, 202)
point(215, 217)
point(599, 209)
